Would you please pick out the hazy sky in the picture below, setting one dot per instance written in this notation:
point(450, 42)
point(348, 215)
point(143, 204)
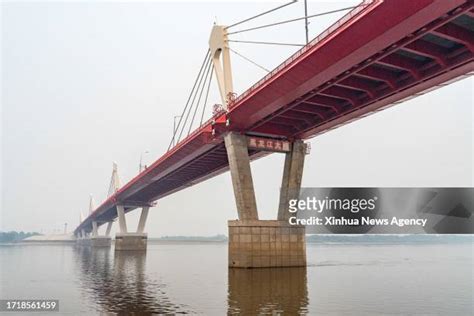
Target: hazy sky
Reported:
point(85, 84)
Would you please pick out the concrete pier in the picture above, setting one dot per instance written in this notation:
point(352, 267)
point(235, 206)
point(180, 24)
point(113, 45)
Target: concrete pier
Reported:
point(130, 241)
point(83, 239)
point(255, 243)
point(97, 240)
point(266, 243)
point(241, 174)
point(100, 241)
point(124, 240)
point(83, 242)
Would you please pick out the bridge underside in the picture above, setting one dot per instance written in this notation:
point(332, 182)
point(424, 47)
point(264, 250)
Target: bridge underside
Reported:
point(425, 58)
point(381, 55)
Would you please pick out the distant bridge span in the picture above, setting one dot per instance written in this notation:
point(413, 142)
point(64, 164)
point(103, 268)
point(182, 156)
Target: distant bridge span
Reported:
point(378, 55)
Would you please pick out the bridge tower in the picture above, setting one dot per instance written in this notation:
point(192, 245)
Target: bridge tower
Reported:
point(114, 180)
point(82, 239)
point(98, 240)
point(254, 242)
point(91, 204)
point(220, 55)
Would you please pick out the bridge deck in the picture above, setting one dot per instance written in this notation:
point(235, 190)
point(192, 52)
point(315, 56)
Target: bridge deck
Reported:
point(379, 54)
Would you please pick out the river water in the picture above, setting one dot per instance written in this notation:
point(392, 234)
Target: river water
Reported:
point(193, 278)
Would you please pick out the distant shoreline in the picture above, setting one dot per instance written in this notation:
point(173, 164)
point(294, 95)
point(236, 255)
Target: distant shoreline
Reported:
point(321, 239)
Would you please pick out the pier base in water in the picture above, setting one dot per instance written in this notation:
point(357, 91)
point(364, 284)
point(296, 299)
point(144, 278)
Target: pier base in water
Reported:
point(83, 242)
point(266, 243)
point(130, 241)
point(101, 241)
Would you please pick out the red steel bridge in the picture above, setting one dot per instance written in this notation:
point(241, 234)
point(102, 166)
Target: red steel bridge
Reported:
point(380, 53)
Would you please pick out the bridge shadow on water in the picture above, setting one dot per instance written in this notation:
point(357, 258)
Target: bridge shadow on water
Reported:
point(267, 291)
point(117, 283)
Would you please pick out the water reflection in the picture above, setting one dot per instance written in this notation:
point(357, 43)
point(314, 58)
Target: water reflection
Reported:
point(120, 284)
point(267, 291)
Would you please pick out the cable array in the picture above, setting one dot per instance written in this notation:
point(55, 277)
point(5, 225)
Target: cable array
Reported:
point(305, 17)
point(291, 20)
point(203, 79)
point(249, 60)
point(201, 83)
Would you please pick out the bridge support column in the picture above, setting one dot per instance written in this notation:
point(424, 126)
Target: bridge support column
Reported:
point(241, 174)
point(79, 239)
point(255, 243)
point(125, 240)
point(84, 239)
point(292, 176)
point(98, 241)
point(108, 229)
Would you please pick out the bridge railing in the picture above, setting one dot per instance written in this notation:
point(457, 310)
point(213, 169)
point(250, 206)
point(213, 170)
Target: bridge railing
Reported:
point(199, 129)
point(305, 48)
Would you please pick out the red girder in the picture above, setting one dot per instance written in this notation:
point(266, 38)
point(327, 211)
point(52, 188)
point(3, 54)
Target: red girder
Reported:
point(359, 84)
point(292, 123)
point(427, 49)
point(404, 63)
point(404, 42)
point(327, 102)
point(380, 74)
point(305, 107)
point(457, 34)
point(387, 99)
point(342, 93)
point(273, 129)
point(296, 116)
